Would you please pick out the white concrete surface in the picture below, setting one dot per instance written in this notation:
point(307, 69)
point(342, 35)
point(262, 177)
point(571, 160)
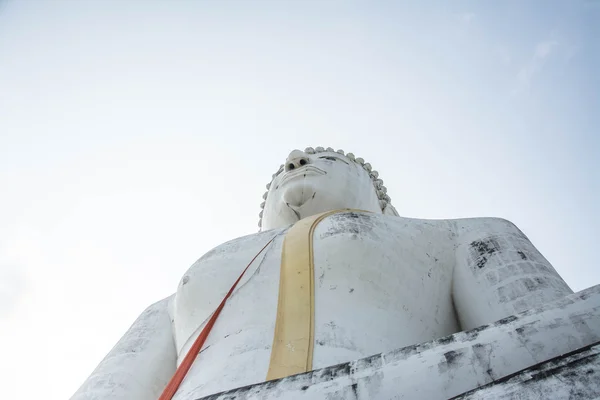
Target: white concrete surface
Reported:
point(573, 376)
point(141, 363)
point(382, 282)
point(450, 366)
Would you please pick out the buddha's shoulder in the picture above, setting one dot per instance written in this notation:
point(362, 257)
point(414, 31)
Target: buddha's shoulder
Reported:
point(239, 246)
point(361, 221)
point(356, 222)
point(485, 225)
point(364, 221)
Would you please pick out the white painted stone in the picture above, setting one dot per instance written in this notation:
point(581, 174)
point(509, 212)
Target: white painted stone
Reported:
point(382, 282)
point(450, 366)
point(141, 363)
point(572, 376)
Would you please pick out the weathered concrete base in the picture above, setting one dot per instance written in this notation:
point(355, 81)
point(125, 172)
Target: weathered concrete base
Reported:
point(547, 348)
point(571, 376)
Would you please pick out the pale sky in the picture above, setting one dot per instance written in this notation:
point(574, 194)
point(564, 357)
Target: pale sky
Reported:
point(137, 135)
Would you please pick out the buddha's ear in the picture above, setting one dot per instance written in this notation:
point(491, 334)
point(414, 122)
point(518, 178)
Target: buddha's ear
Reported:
point(390, 210)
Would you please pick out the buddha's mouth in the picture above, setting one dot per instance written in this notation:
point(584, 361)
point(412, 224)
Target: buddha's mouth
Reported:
point(302, 171)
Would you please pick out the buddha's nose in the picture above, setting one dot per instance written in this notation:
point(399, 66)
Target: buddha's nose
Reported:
point(296, 159)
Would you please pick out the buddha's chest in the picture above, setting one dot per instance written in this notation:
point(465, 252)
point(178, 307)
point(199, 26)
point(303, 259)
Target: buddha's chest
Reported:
point(379, 283)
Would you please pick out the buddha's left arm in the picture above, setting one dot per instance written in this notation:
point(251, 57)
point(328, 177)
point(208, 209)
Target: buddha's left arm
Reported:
point(498, 272)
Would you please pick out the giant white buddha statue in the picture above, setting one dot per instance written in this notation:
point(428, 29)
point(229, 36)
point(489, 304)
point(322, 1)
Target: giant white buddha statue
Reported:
point(343, 278)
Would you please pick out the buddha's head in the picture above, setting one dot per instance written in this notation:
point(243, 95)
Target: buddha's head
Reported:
point(318, 180)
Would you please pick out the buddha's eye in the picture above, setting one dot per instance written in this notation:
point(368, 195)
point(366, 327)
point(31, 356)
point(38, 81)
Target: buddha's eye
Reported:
point(333, 159)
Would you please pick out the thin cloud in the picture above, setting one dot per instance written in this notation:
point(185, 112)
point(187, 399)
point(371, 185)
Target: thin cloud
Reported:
point(464, 18)
point(467, 18)
point(540, 56)
point(12, 288)
point(17, 255)
point(504, 55)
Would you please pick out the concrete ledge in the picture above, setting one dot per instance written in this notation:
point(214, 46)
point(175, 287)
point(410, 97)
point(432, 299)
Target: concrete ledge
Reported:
point(452, 365)
point(572, 376)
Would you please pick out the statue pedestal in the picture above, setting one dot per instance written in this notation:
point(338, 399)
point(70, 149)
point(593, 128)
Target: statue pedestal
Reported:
point(553, 349)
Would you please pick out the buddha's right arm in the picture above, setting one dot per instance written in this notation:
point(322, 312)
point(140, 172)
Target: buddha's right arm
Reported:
point(141, 363)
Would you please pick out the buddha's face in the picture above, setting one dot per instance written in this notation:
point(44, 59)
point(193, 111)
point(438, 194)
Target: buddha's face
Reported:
point(315, 183)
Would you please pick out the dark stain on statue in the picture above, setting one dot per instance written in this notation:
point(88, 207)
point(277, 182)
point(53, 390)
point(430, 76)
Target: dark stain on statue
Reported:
point(474, 333)
point(452, 357)
point(446, 339)
point(482, 250)
point(506, 320)
point(321, 277)
point(349, 223)
point(373, 362)
point(483, 356)
point(451, 360)
point(535, 283)
point(523, 256)
point(330, 373)
point(355, 389)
